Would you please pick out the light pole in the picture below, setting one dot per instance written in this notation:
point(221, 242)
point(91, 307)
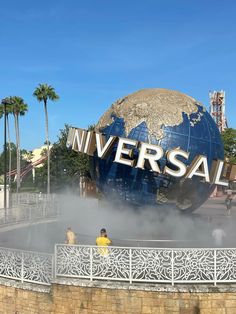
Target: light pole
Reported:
point(5, 162)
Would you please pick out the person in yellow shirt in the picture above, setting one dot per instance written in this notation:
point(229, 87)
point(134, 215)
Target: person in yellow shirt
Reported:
point(103, 240)
point(70, 236)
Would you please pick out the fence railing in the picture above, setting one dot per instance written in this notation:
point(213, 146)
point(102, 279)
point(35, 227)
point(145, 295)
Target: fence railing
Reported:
point(146, 264)
point(26, 266)
point(29, 207)
point(32, 198)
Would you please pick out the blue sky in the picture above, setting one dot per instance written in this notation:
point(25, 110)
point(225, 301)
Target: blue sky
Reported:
point(96, 51)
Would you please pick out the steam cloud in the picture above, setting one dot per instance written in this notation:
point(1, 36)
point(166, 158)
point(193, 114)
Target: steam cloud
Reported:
point(148, 227)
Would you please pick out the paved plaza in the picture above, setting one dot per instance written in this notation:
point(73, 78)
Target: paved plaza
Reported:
point(215, 208)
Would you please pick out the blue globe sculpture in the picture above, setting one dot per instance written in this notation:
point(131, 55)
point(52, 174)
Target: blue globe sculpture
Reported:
point(160, 117)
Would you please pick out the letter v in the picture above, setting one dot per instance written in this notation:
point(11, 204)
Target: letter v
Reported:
point(103, 149)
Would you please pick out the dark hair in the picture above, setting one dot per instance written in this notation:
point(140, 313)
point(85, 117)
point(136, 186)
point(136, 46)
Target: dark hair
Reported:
point(103, 230)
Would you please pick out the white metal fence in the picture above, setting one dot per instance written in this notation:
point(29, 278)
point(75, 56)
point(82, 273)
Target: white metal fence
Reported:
point(29, 207)
point(32, 198)
point(151, 265)
point(26, 266)
point(146, 264)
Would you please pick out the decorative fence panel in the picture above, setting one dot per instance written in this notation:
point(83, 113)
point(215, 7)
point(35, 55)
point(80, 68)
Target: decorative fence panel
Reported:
point(26, 266)
point(152, 265)
point(146, 264)
point(226, 265)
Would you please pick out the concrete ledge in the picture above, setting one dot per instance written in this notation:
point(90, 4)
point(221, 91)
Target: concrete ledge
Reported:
point(190, 288)
point(114, 285)
point(24, 285)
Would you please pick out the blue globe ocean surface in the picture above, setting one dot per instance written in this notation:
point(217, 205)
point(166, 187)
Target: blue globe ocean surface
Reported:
point(198, 136)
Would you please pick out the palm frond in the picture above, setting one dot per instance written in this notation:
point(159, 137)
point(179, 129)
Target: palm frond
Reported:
point(44, 92)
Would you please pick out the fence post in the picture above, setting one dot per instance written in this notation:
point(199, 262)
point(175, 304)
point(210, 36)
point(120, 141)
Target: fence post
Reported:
point(91, 263)
point(55, 262)
point(172, 267)
point(215, 276)
point(30, 213)
point(130, 265)
point(22, 267)
point(41, 207)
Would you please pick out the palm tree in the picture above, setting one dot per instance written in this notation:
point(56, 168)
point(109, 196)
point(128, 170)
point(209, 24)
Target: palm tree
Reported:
point(19, 108)
point(9, 110)
point(44, 93)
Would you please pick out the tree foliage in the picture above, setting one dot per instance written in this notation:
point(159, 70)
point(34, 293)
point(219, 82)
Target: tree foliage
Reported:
point(44, 92)
point(229, 140)
point(6, 102)
point(67, 166)
point(13, 149)
point(16, 106)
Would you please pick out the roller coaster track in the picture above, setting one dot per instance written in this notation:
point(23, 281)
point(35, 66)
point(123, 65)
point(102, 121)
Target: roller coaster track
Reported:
point(25, 170)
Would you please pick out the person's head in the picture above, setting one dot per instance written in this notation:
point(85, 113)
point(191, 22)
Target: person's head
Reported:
point(69, 229)
point(103, 232)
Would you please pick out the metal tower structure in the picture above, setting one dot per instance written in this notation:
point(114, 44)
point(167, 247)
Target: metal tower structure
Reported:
point(217, 109)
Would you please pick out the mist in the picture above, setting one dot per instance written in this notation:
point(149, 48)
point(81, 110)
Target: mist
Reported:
point(126, 226)
point(145, 226)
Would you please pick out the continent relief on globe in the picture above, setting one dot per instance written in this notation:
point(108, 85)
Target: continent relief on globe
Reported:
point(156, 107)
